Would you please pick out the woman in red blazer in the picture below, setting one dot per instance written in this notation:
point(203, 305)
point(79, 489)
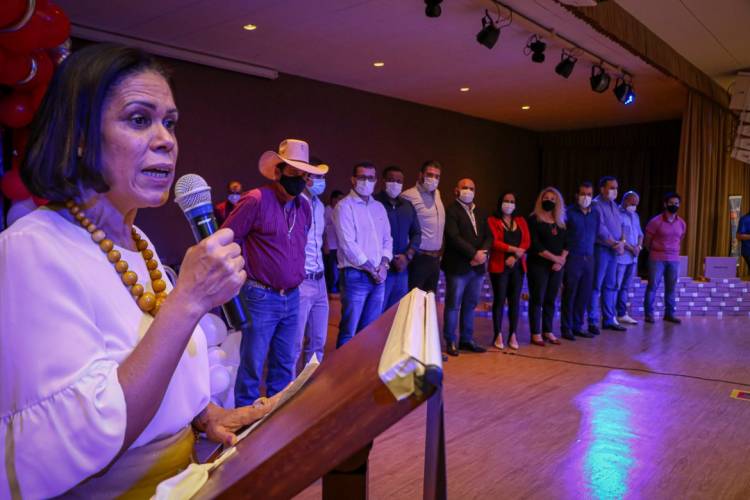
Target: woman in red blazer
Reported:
point(507, 266)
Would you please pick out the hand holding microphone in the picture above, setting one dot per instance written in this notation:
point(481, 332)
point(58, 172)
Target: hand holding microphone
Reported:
point(213, 271)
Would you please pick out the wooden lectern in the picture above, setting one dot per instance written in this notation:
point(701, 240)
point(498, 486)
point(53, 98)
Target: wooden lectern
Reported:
point(327, 429)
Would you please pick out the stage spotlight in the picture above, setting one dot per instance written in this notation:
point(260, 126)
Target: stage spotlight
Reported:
point(567, 62)
point(624, 91)
point(536, 47)
point(489, 33)
point(432, 8)
point(599, 79)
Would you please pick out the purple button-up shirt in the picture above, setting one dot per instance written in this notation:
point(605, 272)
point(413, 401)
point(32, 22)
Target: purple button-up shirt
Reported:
point(664, 238)
point(610, 224)
point(272, 237)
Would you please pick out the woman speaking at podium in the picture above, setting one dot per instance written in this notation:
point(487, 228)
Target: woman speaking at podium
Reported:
point(103, 369)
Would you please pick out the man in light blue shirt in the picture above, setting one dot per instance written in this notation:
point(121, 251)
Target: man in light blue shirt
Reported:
point(312, 325)
point(627, 262)
point(365, 251)
point(609, 244)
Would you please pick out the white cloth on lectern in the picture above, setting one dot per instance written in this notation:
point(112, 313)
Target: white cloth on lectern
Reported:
point(413, 343)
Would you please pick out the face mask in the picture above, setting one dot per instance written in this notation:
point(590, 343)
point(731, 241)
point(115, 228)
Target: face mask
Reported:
point(364, 188)
point(508, 208)
point(672, 209)
point(292, 185)
point(430, 184)
point(631, 209)
point(466, 196)
point(318, 186)
point(234, 198)
point(393, 189)
point(548, 205)
point(612, 195)
point(584, 201)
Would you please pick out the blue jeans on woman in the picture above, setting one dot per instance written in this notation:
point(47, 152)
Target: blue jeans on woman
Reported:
point(272, 334)
point(461, 294)
point(658, 269)
point(361, 302)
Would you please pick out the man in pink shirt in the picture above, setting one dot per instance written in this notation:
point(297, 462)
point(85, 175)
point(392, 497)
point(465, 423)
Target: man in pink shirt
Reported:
point(663, 237)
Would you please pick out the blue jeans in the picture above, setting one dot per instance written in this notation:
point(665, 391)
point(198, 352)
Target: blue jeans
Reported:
point(272, 334)
point(312, 320)
point(625, 273)
point(604, 291)
point(361, 302)
point(577, 282)
point(461, 294)
point(396, 286)
point(658, 269)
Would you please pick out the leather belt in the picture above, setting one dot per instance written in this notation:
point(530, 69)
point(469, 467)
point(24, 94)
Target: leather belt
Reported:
point(262, 286)
point(431, 253)
point(314, 276)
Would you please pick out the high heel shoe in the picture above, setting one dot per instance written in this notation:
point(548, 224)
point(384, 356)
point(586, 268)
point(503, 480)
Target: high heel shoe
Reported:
point(512, 342)
point(551, 339)
point(537, 340)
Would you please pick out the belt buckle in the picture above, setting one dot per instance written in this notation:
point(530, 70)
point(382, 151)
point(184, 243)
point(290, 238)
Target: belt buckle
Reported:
point(282, 292)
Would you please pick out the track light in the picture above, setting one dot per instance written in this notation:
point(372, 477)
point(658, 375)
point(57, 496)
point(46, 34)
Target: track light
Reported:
point(599, 79)
point(432, 8)
point(489, 33)
point(567, 62)
point(536, 47)
point(624, 91)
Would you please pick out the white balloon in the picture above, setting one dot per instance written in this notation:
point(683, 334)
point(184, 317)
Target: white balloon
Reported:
point(231, 346)
point(216, 356)
point(220, 379)
point(214, 329)
point(20, 208)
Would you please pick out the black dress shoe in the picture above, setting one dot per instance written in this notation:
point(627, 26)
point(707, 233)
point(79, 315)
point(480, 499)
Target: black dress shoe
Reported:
point(673, 319)
point(471, 347)
point(594, 330)
point(585, 335)
point(614, 328)
point(567, 335)
point(649, 319)
point(445, 357)
point(451, 349)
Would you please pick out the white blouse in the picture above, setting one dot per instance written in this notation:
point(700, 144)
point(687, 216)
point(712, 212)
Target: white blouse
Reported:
point(66, 323)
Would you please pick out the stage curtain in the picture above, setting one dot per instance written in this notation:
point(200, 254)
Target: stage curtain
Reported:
point(706, 176)
point(643, 157)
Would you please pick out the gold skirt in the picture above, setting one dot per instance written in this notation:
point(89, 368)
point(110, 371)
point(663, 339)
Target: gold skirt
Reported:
point(137, 473)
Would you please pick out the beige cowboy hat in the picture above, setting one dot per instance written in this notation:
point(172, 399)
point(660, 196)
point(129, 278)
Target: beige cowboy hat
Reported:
point(293, 152)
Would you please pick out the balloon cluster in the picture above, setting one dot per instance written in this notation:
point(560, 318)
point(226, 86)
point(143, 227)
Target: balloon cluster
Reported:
point(223, 358)
point(34, 39)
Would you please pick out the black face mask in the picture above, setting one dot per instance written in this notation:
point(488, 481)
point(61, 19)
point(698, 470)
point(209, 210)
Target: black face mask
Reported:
point(293, 185)
point(672, 209)
point(548, 205)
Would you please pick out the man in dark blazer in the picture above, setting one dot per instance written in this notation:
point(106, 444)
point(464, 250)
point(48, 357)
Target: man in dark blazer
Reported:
point(467, 243)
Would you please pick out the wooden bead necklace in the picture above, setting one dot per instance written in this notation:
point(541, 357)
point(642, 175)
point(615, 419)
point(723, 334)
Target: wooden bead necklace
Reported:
point(147, 301)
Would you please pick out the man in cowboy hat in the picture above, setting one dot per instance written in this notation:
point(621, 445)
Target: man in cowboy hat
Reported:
point(271, 225)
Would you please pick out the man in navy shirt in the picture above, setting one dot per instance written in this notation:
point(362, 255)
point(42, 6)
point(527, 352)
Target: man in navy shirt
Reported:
point(405, 231)
point(743, 235)
point(582, 226)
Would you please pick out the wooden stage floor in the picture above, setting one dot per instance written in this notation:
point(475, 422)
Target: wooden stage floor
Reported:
point(642, 414)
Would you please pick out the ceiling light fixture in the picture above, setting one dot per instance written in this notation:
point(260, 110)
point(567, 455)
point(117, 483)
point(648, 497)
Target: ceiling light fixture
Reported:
point(536, 47)
point(599, 78)
point(526, 107)
point(567, 62)
point(624, 91)
point(432, 8)
point(378, 64)
point(249, 27)
point(464, 89)
point(489, 33)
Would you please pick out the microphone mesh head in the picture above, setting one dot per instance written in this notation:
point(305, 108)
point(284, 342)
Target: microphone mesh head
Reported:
point(191, 191)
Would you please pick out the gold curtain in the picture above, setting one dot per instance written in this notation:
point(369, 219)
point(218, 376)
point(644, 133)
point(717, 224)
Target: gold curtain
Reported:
point(706, 177)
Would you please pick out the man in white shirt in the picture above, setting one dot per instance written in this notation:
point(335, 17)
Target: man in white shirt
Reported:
point(424, 269)
point(365, 250)
point(312, 324)
point(331, 245)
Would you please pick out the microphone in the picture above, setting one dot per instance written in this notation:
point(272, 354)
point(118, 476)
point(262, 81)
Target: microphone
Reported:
point(193, 195)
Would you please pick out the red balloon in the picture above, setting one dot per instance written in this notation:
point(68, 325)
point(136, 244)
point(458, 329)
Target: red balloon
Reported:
point(40, 202)
point(27, 39)
point(44, 69)
point(13, 187)
point(20, 139)
point(16, 110)
point(15, 68)
point(11, 11)
point(56, 25)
